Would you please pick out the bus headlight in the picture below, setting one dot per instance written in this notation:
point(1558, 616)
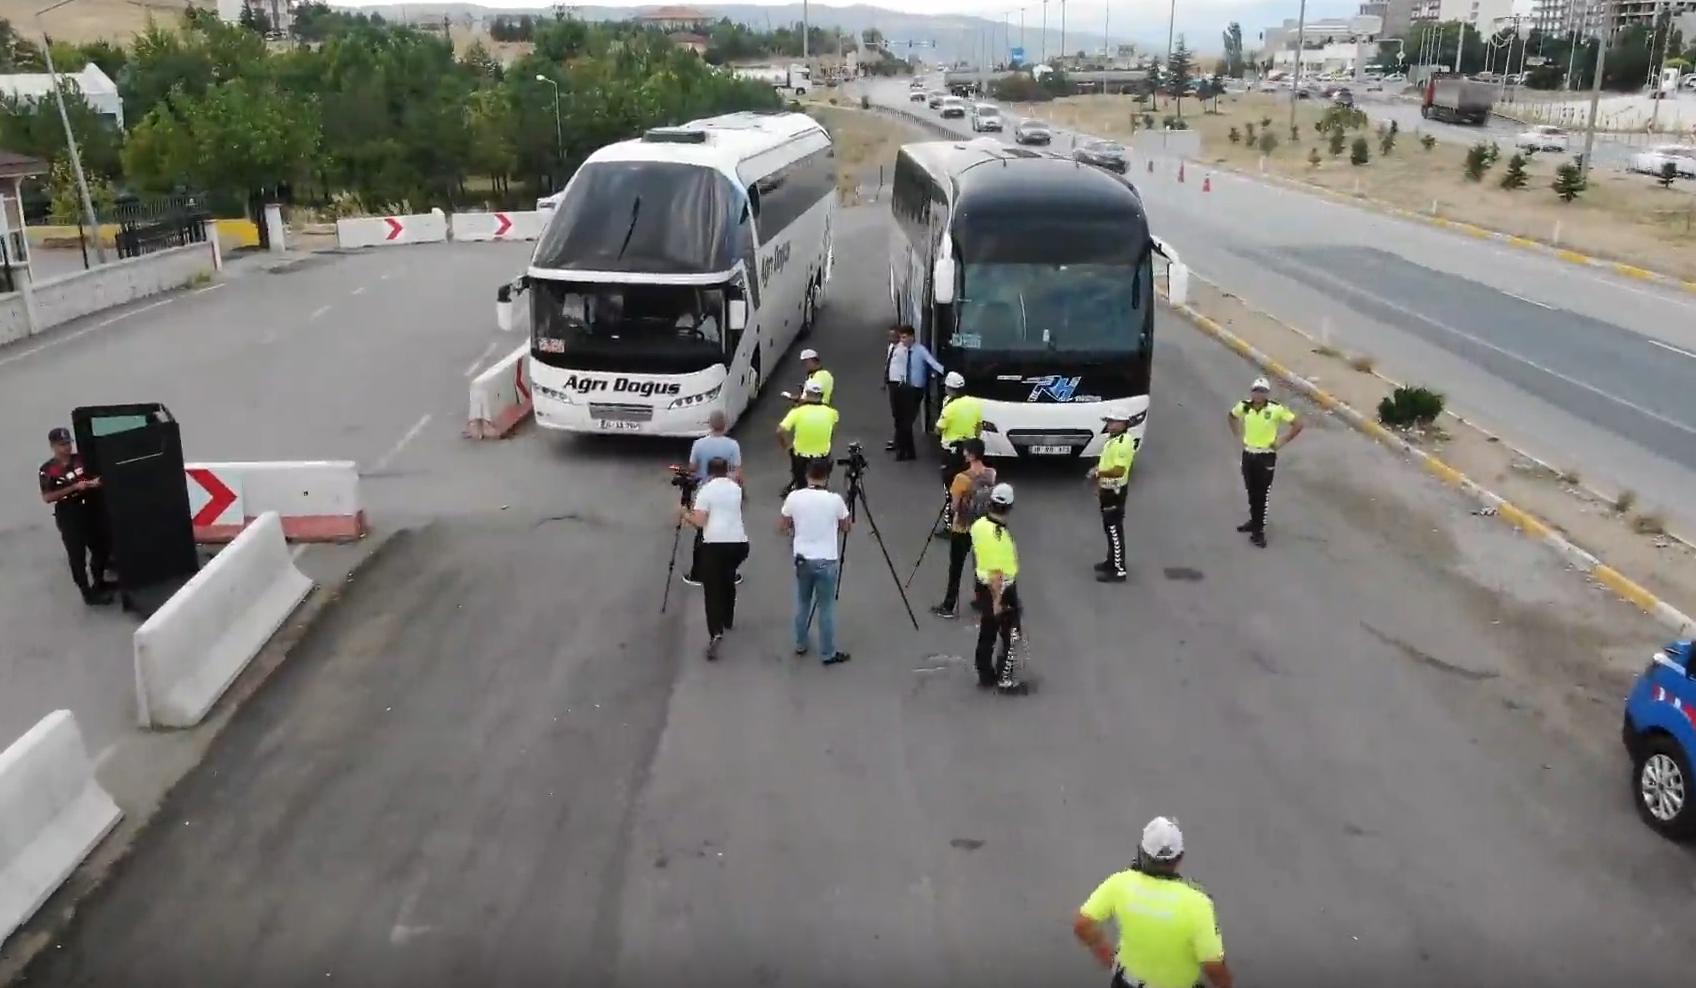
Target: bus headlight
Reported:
point(562, 397)
point(694, 400)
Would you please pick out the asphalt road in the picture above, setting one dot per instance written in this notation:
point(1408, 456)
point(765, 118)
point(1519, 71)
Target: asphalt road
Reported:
point(1584, 370)
point(1391, 737)
point(333, 356)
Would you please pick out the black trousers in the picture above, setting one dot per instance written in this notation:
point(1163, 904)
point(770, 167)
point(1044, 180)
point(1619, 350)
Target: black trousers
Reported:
point(959, 546)
point(1113, 524)
point(695, 558)
point(1257, 481)
point(904, 401)
point(86, 547)
point(798, 468)
point(893, 390)
point(953, 461)
point(717, 573)
point(990, 627)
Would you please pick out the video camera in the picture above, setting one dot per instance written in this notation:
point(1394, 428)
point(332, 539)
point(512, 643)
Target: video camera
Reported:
point(855, 461)
point(683, 478)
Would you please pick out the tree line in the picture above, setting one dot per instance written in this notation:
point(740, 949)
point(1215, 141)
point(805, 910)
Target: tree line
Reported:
point(364, 114)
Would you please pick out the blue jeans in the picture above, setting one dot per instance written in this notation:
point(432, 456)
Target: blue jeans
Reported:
point(815, 583)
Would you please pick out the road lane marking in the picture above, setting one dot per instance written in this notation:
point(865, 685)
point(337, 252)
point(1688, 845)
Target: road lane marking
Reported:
point(400, 444)
point(472, 370)
point(1575, 382)
point(1522, 298)
point(317, 312)
point(359, 291)
point(68, 337)
point(1678, 350)
point(210, 288)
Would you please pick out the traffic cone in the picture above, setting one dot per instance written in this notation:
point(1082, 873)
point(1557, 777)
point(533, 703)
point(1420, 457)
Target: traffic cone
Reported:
point(1180, 173)
point(1207, 183)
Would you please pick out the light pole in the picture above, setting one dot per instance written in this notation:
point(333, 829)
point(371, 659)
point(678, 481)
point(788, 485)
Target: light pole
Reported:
point(70, 138)
point(559, 131)
point(1596, 89)
point(1171, 25)
point(1045, 32)
point(1295, 81)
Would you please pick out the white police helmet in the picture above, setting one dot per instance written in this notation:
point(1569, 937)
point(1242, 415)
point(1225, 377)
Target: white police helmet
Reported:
point(954, 380)
point(809, 354)
point(1162, 840)
point(813, 388)
point(1260, 384)
point(1002, 494)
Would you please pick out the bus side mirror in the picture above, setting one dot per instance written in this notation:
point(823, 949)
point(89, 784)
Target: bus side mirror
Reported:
point(737, 315)
point(503, 301)
point(942, 283)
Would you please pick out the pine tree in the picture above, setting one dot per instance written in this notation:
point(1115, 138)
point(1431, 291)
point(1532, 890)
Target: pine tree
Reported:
point(1477, 162)
point(1178, 72)
point(1669, 172)
point(1313, 158)
point(1337, 141)
point(1427, 142)
point(1515, 177)
point(1569, 182)
point(1360, 153)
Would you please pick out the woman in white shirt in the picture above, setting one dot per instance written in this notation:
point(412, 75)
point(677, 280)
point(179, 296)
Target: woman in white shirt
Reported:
point(717, 512)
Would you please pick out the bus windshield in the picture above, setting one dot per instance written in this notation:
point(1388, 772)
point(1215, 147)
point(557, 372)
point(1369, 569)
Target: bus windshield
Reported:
point(1024, 307)
point(651, 217)
point(655, 329)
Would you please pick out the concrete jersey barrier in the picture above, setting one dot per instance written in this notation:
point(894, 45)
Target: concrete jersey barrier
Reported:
point(388, 231)
point(509, 225)
point(500, 397)
point(317, 500)
point(190, 651)
point(52, 813)
point(39, 306)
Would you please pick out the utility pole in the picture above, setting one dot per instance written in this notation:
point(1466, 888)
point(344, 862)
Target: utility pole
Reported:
point(1021, 28)
point(1062, 29)
point(1172, 22)
point(1657, 68)
point(1596, 90)
point(1295, 83)
point(806, 29)
point(1106, 47)
point(1045, 32)
point(70, 137)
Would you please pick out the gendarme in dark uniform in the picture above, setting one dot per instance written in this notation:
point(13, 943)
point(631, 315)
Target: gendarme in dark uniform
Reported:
point(75, 496)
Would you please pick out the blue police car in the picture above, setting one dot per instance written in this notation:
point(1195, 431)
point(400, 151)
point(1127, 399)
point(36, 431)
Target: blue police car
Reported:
point(1660, 734)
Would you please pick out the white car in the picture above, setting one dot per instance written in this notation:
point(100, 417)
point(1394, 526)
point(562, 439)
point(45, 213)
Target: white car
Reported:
point(1650, 162)
point(985, 116)
point(952, 106)
point(1542, 138)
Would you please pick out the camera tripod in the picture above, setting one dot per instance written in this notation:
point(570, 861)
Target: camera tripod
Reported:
point(856, 498)
point(685, 484)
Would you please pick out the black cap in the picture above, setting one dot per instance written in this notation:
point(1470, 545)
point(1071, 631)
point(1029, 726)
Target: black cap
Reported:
point(59, 434)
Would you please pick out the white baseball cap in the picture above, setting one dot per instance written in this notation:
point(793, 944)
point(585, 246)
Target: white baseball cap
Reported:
point(1162, 840)
point(954, 380)
point(1116, 417)
point(1260, 384)
point(813, 388)
point(809, 354)
point(1001, 494)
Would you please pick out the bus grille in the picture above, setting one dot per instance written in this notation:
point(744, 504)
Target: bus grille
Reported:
point(621, 413)
point(1058, 437)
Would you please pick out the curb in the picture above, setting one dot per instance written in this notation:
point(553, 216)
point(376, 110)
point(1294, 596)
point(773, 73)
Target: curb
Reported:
point(1478, 232)
point(1530, 525)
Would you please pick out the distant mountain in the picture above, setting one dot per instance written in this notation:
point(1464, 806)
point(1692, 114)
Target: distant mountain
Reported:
point(955, 36)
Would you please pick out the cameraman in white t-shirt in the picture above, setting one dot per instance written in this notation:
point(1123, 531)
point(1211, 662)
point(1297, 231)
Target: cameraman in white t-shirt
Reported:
point(816, 516)
point(717, 512)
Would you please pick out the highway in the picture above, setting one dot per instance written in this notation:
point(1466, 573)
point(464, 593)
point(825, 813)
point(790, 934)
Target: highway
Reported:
point(1391, 737)
point(1583, 369)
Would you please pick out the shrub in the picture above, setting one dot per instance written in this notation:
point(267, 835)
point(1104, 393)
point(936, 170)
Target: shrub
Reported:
point(1477, 162)
point(1268, 142)
point(1427, 142)
point(1493, 153)
point(1405, 406)
point(1669, 172)
point(1569, 182)
point(1265, 122)
point(1337, 140)
point(1387, 141)
point(1359, 153)
point(1624, 500)
point(1252, 138)
point(1235, 136)
point(865, 102)
point(1295, 134)
point(1514, 178)
point(1363, 363)
point(1648, 524)
point(1395, 128)
point(1313, 158)
point(1148, 120)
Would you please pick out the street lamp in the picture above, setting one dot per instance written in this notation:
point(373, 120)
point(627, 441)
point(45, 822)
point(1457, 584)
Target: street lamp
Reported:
point(559, 132)
point(70, 138)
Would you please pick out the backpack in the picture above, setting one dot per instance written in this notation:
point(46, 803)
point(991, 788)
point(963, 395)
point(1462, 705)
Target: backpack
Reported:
point(977, 499)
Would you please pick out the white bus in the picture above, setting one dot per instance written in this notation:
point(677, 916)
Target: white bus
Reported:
point(1030, 274)
point(675, 272)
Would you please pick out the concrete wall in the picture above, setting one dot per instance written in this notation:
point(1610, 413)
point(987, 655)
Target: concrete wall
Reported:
point(72, 296)
point(14, 318)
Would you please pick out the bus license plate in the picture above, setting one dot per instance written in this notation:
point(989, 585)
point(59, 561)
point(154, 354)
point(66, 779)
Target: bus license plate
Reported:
point(1049, 450)
point(618, 425)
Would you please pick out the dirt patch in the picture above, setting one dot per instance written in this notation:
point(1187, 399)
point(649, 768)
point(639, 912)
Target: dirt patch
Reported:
point(1623, 217)
point(866, 143)
point(1554, 493)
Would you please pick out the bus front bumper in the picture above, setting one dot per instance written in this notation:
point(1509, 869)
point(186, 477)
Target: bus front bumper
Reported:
point(575, 413)
point(1072, 430)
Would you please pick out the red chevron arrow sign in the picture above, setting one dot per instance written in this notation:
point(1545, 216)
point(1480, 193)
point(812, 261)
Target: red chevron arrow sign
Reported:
point(213, 500)
point(395, 227)
point(506, 224)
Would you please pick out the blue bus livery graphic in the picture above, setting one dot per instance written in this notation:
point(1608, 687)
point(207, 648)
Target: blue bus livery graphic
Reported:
point(1053, 387)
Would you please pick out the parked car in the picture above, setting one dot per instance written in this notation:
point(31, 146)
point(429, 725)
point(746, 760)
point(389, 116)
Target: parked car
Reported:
point(1343, 97)
point(917, 95)
point(952, 106)
point(1542, 137)
point(934, 98)
point(1032, 132)
point(985, 116)
point(1652, 161)
point(1660, 734)
point(1103, 154)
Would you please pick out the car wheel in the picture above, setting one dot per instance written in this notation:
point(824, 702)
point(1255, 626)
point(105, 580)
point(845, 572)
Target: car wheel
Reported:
point(1664, 788)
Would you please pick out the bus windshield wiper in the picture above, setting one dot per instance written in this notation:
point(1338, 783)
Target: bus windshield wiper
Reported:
point(635, 210)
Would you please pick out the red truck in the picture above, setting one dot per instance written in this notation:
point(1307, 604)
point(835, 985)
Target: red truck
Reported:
point(1457, 99)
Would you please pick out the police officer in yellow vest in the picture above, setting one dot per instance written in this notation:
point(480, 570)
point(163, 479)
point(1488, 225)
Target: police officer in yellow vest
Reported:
point(1112, 476)
point(995, 560)
point(1168, 931)
point(1256, 420)
point(961, 419)
point(806, 432)
point(815, 374)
